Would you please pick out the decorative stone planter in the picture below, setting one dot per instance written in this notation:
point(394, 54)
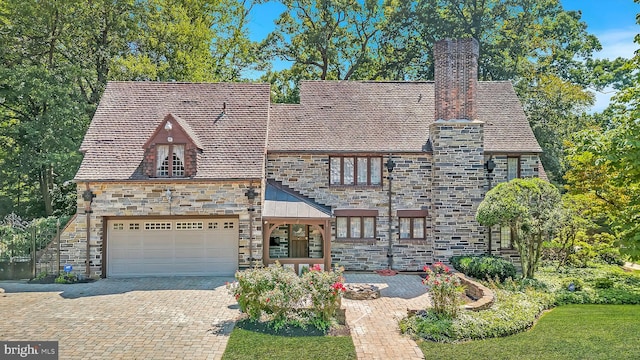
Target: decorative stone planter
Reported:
point(361, 292)
point(484, 297)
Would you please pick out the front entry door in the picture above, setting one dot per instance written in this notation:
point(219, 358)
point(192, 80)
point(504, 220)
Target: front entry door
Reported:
point(299, 237)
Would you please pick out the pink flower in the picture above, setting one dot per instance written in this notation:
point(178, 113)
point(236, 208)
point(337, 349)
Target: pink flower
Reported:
point(268, 299)
point(316, 267)
point(436, 282)
point(425, 268)
point(338, 286)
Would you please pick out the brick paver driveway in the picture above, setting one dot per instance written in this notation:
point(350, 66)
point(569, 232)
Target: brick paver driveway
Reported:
point(146, 318)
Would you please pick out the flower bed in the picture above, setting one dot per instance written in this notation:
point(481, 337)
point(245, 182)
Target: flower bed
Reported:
point(279, 297)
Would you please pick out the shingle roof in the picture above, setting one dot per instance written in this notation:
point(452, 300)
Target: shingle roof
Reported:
point(129, 112)
point(366, 116)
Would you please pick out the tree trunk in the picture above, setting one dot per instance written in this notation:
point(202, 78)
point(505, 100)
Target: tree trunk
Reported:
point(46, 184)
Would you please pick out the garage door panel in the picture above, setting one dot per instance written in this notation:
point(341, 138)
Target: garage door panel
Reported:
point(172, 247)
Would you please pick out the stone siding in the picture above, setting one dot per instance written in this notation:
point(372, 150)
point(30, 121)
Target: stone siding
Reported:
point(148, 199)
point(309, 175)
point(459, 184)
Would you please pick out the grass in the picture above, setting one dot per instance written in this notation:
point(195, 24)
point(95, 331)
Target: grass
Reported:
point(567, 332)
point(250, 341)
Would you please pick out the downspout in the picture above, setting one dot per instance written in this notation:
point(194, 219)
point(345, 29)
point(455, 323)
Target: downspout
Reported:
point(390, 249)
point(251, 210)
point(88, 211)
point(390, 165)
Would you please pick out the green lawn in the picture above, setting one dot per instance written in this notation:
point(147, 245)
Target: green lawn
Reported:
point(250, 342)
point(566, 332)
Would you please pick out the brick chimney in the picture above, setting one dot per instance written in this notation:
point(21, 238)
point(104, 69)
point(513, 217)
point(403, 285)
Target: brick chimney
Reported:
point(456, 79)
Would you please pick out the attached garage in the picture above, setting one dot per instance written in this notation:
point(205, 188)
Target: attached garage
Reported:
point(172, 247)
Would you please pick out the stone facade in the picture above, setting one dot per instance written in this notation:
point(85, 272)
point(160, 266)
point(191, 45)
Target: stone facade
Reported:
point(148, 199)
point(458, 187)
point(309, 175)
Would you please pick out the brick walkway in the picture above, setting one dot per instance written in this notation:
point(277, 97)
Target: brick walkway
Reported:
point(374, 323)
point(151, 318)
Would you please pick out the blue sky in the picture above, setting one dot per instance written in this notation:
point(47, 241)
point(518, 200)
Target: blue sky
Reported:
point(612, 21)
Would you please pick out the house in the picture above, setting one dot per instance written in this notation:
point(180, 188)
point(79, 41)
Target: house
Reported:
point(203, 179)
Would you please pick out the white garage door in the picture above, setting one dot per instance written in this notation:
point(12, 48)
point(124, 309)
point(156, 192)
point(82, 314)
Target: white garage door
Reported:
point(159, 247)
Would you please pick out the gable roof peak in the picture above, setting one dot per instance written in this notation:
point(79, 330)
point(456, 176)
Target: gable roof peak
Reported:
point(167, 125)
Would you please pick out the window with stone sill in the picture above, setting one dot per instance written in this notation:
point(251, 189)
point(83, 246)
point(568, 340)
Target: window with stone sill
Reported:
point(170, 160)
point(513, 168)
point(355, 170)
point(355, 227)
point(411, 228)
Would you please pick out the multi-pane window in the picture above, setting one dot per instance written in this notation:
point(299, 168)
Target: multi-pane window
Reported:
point(355, 170)
point(506, 237)
point(170, 160)
point(355, 227)
point(513, 168)
point(411, 227)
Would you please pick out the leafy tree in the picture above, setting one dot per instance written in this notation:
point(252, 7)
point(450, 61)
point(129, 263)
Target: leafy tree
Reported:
point(193, 40)
point(529, 207)
point(325, 40)
point(605, 161)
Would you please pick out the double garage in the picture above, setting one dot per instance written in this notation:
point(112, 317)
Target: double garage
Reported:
point(171, 246)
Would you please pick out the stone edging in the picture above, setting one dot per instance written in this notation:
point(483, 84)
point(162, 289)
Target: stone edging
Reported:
point(484, 297)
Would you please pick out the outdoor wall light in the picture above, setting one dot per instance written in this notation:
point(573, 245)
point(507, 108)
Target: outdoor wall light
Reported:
point(88, 195)
point(390, 164)
point(251, 193)
point(490, 165)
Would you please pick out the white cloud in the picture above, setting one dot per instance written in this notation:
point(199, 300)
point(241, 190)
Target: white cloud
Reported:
point(617, 43)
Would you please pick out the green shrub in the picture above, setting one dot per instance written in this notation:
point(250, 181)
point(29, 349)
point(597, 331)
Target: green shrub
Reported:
point(428, 325)
point(275, 294)
point(484, 267)
point(572, 284)
point(603, 283)
point(66, 278)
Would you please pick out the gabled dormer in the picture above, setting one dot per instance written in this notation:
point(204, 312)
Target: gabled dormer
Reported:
point(172, 150)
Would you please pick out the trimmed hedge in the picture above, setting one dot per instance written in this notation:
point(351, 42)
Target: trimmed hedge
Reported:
point(484, 267)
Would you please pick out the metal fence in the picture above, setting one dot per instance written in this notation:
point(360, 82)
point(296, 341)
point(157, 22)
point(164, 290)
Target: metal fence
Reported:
point(29, 248)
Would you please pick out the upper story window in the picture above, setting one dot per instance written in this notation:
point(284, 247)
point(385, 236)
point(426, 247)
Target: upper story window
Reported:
point(170, 160)
point(513, 168)
point(355, 170)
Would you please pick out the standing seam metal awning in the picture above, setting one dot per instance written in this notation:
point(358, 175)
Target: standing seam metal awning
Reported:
point(281, 201)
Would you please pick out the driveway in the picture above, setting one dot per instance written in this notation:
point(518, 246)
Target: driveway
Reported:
point(145, 318)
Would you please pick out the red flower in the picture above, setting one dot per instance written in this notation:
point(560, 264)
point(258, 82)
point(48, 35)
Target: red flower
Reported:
point(436, 282)
point(237, 296)
point(338, 286)
point(268, 299)
point(316, 267)
point(425, 268)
